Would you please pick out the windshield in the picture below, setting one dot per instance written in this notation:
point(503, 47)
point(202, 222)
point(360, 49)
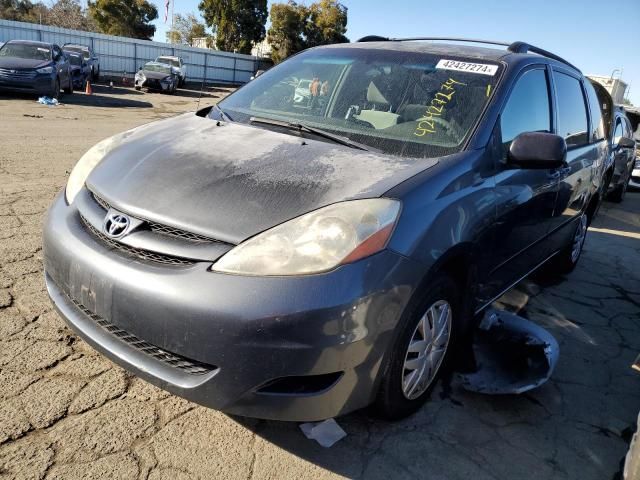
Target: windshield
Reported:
point(170, 61)
point(402, 103)
point(21, 50)
point(156, 67)
point(75, 60)
point(82, 50)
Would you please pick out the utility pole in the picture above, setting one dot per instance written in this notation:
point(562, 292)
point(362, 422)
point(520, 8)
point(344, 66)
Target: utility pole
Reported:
point(172, 18)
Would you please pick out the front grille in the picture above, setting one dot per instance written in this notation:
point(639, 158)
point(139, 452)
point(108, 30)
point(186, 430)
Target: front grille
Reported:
point(100, 201)
point(160, 228)
point(192, 367)
point(136, 252)
point(17, 74)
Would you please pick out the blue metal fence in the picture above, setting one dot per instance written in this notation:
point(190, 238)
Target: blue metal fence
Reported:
point(121, 55)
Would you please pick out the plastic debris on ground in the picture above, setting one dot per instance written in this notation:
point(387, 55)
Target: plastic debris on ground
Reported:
point(326, 433)
point(48, 101)
point(513, 355)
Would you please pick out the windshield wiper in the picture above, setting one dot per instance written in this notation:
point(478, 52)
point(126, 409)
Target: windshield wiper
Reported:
point(301, 127)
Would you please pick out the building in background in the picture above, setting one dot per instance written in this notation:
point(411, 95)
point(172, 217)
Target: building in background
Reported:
point(203, 42)
point(615, 86)
point(261, 49)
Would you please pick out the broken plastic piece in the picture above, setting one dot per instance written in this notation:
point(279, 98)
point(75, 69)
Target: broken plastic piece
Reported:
point(636, 364)
point(48, 101)
point(513, 355)
point(326, 433)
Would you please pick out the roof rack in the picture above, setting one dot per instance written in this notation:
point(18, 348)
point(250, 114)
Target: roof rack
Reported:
point(522, 47)
point(514, 47)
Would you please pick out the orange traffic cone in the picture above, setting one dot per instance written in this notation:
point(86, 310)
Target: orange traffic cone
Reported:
point(88, 90)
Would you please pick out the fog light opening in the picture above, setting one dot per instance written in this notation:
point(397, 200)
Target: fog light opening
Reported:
point(300, 385)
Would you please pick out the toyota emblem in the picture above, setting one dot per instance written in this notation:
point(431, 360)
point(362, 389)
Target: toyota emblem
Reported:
point(116, 225)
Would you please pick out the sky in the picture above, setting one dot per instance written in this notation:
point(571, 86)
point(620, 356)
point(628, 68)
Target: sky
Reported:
point(596, 36)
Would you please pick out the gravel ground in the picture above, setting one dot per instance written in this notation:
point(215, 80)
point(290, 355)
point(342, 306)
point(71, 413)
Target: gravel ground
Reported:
point(67, 413)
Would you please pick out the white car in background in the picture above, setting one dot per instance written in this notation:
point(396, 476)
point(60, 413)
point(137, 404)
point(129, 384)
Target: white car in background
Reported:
point(178, 64)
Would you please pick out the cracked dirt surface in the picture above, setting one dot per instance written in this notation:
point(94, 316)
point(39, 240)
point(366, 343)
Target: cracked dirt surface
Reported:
point(67, 413)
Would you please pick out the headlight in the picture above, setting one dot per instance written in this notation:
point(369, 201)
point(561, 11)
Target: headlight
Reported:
point(85, 165)
point(45, 70)
point(317, 241)
point(166, 80)
point(139, 75)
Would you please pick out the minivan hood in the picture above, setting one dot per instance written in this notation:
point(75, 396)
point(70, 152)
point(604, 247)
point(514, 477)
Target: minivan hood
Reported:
point(230, 181)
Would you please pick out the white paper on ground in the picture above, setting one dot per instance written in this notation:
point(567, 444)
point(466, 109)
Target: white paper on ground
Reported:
point(326, 433)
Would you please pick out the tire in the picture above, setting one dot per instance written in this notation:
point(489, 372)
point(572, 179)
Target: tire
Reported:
point(69, 89)
point(620, 191)
point(567, 259)
point(56, 90)
point(138, 88)
point(404, 389)
point(95, 75)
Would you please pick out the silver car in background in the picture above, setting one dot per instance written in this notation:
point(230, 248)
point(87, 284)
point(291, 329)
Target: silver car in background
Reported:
point(179, 66)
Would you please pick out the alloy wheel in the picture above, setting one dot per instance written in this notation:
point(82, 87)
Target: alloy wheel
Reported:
point(426, 349)
point(578, 238)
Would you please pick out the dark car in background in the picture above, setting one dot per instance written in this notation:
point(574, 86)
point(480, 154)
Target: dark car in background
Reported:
point(299, 261)
point(157, 76)
point(90, 57)
point(623, 151)
point(34, 67)
point(80, 70)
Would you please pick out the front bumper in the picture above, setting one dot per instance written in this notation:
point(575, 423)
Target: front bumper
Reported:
point(37, 85)
point(245, 332)
point(152, 84)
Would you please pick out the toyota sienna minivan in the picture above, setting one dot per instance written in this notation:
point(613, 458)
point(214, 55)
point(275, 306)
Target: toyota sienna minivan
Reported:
point(300, 260)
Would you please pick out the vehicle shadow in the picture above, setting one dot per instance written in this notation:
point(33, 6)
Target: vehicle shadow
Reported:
point(95, 100)
point(115, 90)
point(105, 101)
point(577, 425)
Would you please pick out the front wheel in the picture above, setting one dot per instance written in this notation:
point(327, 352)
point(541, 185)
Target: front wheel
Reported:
point(421, 351)
point(56, 89)
point(69, 89)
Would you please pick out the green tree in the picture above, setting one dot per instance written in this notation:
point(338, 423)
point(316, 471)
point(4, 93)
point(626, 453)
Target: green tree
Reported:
point(237, 24)
point(295, 27)
point(326, 23)
point(286, 34)
point(69, 14)
point(126, 18)
point(23, 11)
point(186, 28)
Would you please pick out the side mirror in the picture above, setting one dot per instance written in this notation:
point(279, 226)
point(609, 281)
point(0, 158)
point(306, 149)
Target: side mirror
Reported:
point(140, 68)
point(537, 150)
point(625, 142)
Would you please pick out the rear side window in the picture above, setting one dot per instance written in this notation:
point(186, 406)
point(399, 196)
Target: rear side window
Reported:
point(597, 124)
point(527, 109)
point(572, 112)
